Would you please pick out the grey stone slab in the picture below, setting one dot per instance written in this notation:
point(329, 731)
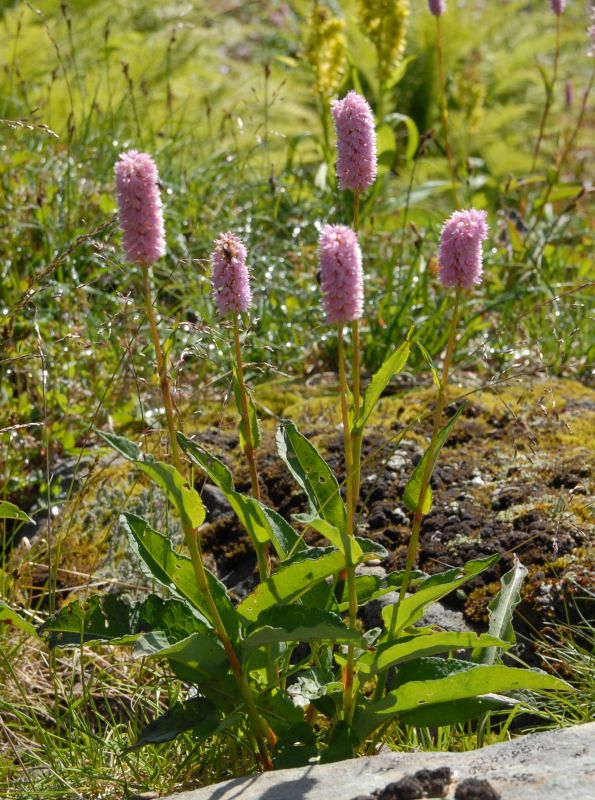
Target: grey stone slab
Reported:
point(556, 765)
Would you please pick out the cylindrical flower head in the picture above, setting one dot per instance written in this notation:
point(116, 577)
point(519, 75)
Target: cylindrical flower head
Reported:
point(460, 256)
point(139, 204)
point(356, 142)
point(558, 6)
point(231, 279)
point(437, 7)
point(591, 35)
point(341, 278)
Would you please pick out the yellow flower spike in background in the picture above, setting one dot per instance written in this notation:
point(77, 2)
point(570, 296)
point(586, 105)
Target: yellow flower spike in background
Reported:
point(326, 49)
point(385, 23)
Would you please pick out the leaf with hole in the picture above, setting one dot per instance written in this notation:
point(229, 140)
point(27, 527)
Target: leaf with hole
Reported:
point(312, 473)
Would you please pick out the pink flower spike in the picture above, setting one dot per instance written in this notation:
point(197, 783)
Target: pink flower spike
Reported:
point(231, 279)
point(437, 7)
point(460, 255)
point(558, 6)
point(356, 142)
point(139, 204)
point(341, 277)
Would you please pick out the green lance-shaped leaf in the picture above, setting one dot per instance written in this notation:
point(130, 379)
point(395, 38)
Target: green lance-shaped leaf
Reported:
point(411, 608)
point(291, 582)
point(462, 681)
point(108, 618)
point(121, 445)
point(393, 365)
point(472, 682)
point(201, 652)
point(299, 624)
point(413, 488)
point(176, 573)
point(10, 511)
point(197, 715)
point(370, 587)
point(312, 473)
point(185, 498)
point(348, 545)
point(501, 610)
point(418, 646)
point(263, 524)
point(214, 468)
point(9, 615)
point(249, 432)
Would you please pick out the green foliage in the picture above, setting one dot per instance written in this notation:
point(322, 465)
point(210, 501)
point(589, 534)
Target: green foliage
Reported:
point(413, 488)
point(312, 474)
point(72, 356)
point(501, 610)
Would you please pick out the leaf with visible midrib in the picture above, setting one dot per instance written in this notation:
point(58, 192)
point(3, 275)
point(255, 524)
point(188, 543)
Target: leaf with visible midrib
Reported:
point(312, 473)
point(290, 582)
point(299, 624)
point(393, 365)
point(411, 608)
point(176, 573)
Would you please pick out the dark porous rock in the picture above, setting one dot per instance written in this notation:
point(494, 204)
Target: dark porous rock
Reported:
point(408, 788)
point(475, 789)
point(435, 782)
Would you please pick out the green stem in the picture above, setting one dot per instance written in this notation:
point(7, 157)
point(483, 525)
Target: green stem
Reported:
point(444, 111)
point(263, 556)
point(417, 518)
point(262, 553)
point(261, 730)
point(356, 441)
point(549, 96)
point(348, 698)
point(425, 481)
